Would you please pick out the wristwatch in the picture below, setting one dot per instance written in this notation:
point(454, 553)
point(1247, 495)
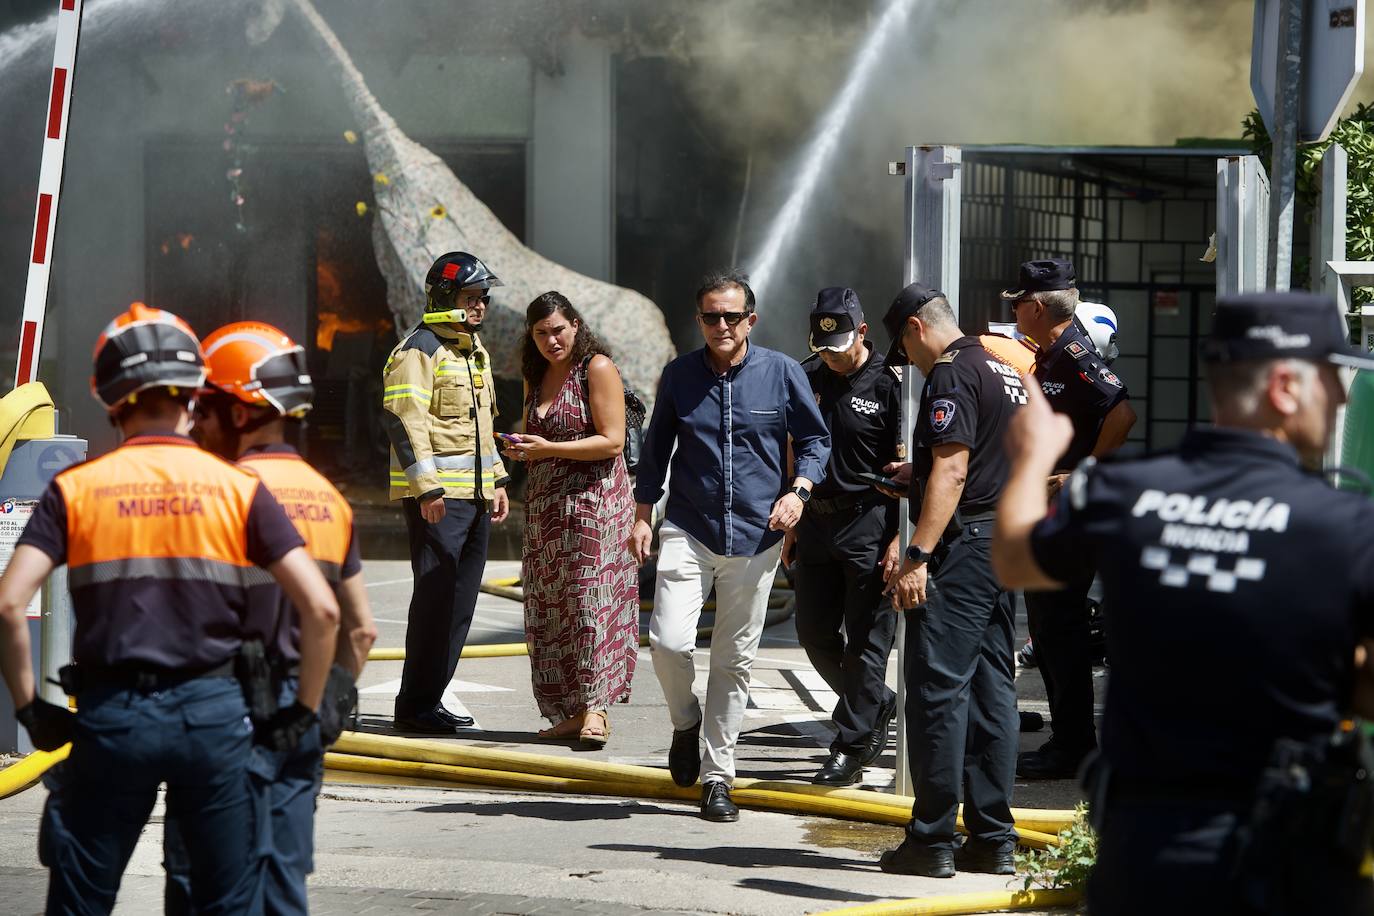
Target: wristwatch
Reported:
point(801, 493)
point(917, 555)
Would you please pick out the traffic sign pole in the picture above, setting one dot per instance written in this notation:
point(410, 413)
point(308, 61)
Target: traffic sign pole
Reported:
point(1283, 170)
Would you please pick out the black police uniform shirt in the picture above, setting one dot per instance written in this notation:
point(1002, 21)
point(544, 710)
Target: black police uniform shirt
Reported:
point(968, 399)
point(1078, 384)
point(861, 411)
point(1236, 585)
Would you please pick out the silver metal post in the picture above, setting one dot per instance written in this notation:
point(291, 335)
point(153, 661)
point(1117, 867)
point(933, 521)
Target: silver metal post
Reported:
point(930, 254)
point(1242, 225)
point(1283, 171)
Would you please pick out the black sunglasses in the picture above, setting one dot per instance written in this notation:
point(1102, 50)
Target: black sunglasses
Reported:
point(730, 318)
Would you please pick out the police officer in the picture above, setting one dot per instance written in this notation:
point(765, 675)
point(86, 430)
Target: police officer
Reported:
point(160, 541)
point(439, 403)
point(258, 385)
point(1077, 383)
point(837, 550)
point(961, 699)
point(1254, 578)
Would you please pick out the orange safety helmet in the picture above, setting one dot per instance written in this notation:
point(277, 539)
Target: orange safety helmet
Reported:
point(145, 348)
point(262, 367)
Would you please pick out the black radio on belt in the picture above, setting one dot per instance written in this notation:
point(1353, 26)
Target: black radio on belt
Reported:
point(253, 670)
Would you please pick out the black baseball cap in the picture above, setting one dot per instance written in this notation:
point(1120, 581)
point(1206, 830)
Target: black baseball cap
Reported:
point(907, 303)
point(835, 317)
point(1043, 276)
point(1270, 325)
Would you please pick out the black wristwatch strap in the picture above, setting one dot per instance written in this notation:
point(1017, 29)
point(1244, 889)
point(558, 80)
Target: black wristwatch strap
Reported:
point(917, 555)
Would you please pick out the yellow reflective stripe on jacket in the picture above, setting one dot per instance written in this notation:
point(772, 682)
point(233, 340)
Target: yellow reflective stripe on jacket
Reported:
point(401, 392)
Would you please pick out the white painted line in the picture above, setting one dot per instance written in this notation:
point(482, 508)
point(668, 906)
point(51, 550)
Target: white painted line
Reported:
point(408, 580)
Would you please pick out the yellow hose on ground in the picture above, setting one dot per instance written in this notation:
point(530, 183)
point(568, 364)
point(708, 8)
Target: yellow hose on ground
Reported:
point(961, 904)
point(491, 650)
point(17, 778)
point(1036, 827)
point(749, 793)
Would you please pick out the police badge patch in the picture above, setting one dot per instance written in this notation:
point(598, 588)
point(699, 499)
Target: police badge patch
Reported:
point(828, 324)
point(1076, 349)
point(1109, 376)
point(941, 414)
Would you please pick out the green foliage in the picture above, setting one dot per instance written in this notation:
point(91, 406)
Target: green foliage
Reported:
point(1356, 134)
point(1066, 865)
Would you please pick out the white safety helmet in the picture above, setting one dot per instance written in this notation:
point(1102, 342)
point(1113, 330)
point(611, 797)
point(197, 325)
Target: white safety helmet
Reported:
point(1099, 323)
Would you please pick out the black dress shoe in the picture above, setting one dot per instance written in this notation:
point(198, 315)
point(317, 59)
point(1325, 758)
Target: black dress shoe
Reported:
point(453, 717)
point(877, 741)
point(684, 757)
point(842, 769)
point(986, 858)
point(426, 723)
point(918, 859)
point(716, 804)
point(1050, 762)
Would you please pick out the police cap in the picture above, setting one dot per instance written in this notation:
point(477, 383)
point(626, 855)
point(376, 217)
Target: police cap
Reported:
point(835, 318)
point(1043, 276)
point(1273, 325)
point(907, 303)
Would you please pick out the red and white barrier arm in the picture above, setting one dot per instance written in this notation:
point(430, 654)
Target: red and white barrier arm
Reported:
point(49, 188)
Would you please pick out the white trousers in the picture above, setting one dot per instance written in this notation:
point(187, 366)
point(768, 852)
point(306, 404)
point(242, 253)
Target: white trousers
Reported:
point(686, 570)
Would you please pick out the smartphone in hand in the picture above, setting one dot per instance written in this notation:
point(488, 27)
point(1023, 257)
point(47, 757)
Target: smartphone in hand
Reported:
point(508, 438)
point(878, 480)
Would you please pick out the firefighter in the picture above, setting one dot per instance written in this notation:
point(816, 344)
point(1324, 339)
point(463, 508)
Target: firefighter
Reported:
point(439, 403)
point(160, 540)
point(257, 386)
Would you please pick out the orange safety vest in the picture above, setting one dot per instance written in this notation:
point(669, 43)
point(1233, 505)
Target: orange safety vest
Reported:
point(323, 518)
point(157, 554)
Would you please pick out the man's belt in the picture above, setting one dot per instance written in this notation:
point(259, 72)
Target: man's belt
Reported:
point(971, 515)
point(836, 504)
point(145, 678)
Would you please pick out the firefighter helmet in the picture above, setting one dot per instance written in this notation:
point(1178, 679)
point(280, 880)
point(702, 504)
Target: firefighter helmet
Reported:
point(452, 272)
point(145, 348)
point(260, 366)
point(1099, 323)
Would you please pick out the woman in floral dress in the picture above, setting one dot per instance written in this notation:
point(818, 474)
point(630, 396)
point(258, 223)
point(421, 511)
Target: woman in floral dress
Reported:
point(580, 582)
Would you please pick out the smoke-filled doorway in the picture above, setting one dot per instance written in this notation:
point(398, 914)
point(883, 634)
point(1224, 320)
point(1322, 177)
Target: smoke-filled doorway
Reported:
point(285, 235)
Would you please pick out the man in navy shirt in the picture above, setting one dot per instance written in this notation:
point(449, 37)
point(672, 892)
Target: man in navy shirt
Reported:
point(730, 408)
point(1077, 383)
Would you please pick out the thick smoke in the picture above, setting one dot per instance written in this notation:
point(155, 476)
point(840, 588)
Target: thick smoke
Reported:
point(1050, 72)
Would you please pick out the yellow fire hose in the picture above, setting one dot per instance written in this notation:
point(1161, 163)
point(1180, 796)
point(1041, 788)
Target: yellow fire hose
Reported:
point(1036, 827)
point(20, 776)
point(506, 588)
point(961, 904)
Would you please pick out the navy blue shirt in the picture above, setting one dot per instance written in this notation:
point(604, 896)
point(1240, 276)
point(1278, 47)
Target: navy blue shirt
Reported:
point(731, 432)
point(1078, 383)
point(1249, 579)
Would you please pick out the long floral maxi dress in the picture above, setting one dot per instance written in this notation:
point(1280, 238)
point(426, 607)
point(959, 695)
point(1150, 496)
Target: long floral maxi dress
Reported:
point(581, 583)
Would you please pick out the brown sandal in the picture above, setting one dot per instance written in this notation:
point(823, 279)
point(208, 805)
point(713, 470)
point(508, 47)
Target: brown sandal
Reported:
point(595, 734)
point(565, 729)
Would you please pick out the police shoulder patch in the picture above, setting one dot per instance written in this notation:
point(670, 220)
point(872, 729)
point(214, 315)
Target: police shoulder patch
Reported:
point(1109, 376)
point(1077, 350)
point(946, 358)
point(896, 371)
point(942, 412)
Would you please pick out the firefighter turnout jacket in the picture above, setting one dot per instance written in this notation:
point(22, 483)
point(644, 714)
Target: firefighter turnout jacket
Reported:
point(323, 517)
point(163, 543)
point(440, 402)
